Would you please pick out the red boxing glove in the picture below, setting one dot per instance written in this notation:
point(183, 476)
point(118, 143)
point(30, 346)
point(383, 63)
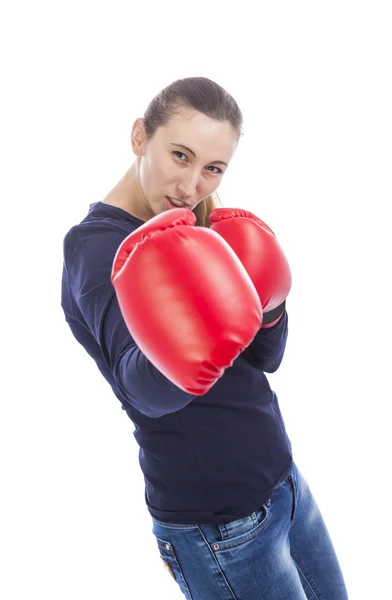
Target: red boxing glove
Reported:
point(186, 298)
point(259, 251)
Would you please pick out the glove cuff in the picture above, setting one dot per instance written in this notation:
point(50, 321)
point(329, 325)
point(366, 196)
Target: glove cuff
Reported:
point(272, 316)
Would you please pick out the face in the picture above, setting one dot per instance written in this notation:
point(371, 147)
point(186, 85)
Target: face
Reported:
point(183, 162)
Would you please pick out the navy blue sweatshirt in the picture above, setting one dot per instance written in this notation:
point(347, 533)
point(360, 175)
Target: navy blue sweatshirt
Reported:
point(205, 459)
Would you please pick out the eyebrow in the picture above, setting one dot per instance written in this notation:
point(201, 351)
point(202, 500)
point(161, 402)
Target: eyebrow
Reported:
point(218, 162)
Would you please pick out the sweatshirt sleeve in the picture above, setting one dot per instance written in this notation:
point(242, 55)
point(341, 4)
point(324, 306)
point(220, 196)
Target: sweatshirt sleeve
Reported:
point(95, 306)
point(138, 381)
point(267, 349)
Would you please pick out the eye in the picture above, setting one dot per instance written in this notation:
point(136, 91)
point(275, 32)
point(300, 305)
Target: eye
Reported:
point(179, 155)
point(217, 172)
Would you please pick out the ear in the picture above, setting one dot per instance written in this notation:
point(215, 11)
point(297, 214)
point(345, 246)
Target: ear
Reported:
point(139, 137)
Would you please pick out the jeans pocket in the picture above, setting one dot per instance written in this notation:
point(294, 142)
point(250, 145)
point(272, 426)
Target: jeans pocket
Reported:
point(240, 531)
point(171, 564)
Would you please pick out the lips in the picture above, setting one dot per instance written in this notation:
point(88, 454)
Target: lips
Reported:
point(178, 203)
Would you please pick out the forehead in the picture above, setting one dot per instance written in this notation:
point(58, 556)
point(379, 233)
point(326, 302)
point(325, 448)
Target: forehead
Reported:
point(203, 135)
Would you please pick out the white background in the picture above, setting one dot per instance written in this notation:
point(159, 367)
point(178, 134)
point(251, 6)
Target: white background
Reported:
point(314, 82)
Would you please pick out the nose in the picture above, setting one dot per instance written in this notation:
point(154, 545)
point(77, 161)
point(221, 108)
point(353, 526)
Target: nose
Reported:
point(188, 185)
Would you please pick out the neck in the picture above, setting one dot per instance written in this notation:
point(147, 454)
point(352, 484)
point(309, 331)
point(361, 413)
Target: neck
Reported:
point(128, 195)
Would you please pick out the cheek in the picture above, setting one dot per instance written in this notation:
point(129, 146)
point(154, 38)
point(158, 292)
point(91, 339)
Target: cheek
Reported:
point(157, 172)
point(209, 185)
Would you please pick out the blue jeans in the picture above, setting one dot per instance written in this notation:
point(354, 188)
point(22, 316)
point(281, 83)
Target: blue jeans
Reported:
point(280, 552)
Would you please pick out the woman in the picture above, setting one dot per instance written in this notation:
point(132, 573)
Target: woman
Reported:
point(232, 515)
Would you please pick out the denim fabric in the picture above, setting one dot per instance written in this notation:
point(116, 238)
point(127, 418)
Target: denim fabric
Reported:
point(282, 551)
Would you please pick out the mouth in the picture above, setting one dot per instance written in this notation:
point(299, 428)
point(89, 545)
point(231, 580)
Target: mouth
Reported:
point(175, 203)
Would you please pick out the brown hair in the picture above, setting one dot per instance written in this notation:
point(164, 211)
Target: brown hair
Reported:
point(203, 95)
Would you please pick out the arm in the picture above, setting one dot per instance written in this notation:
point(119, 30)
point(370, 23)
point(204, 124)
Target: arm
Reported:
point(95, 318)
point(138, 381)
point(268, 346)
